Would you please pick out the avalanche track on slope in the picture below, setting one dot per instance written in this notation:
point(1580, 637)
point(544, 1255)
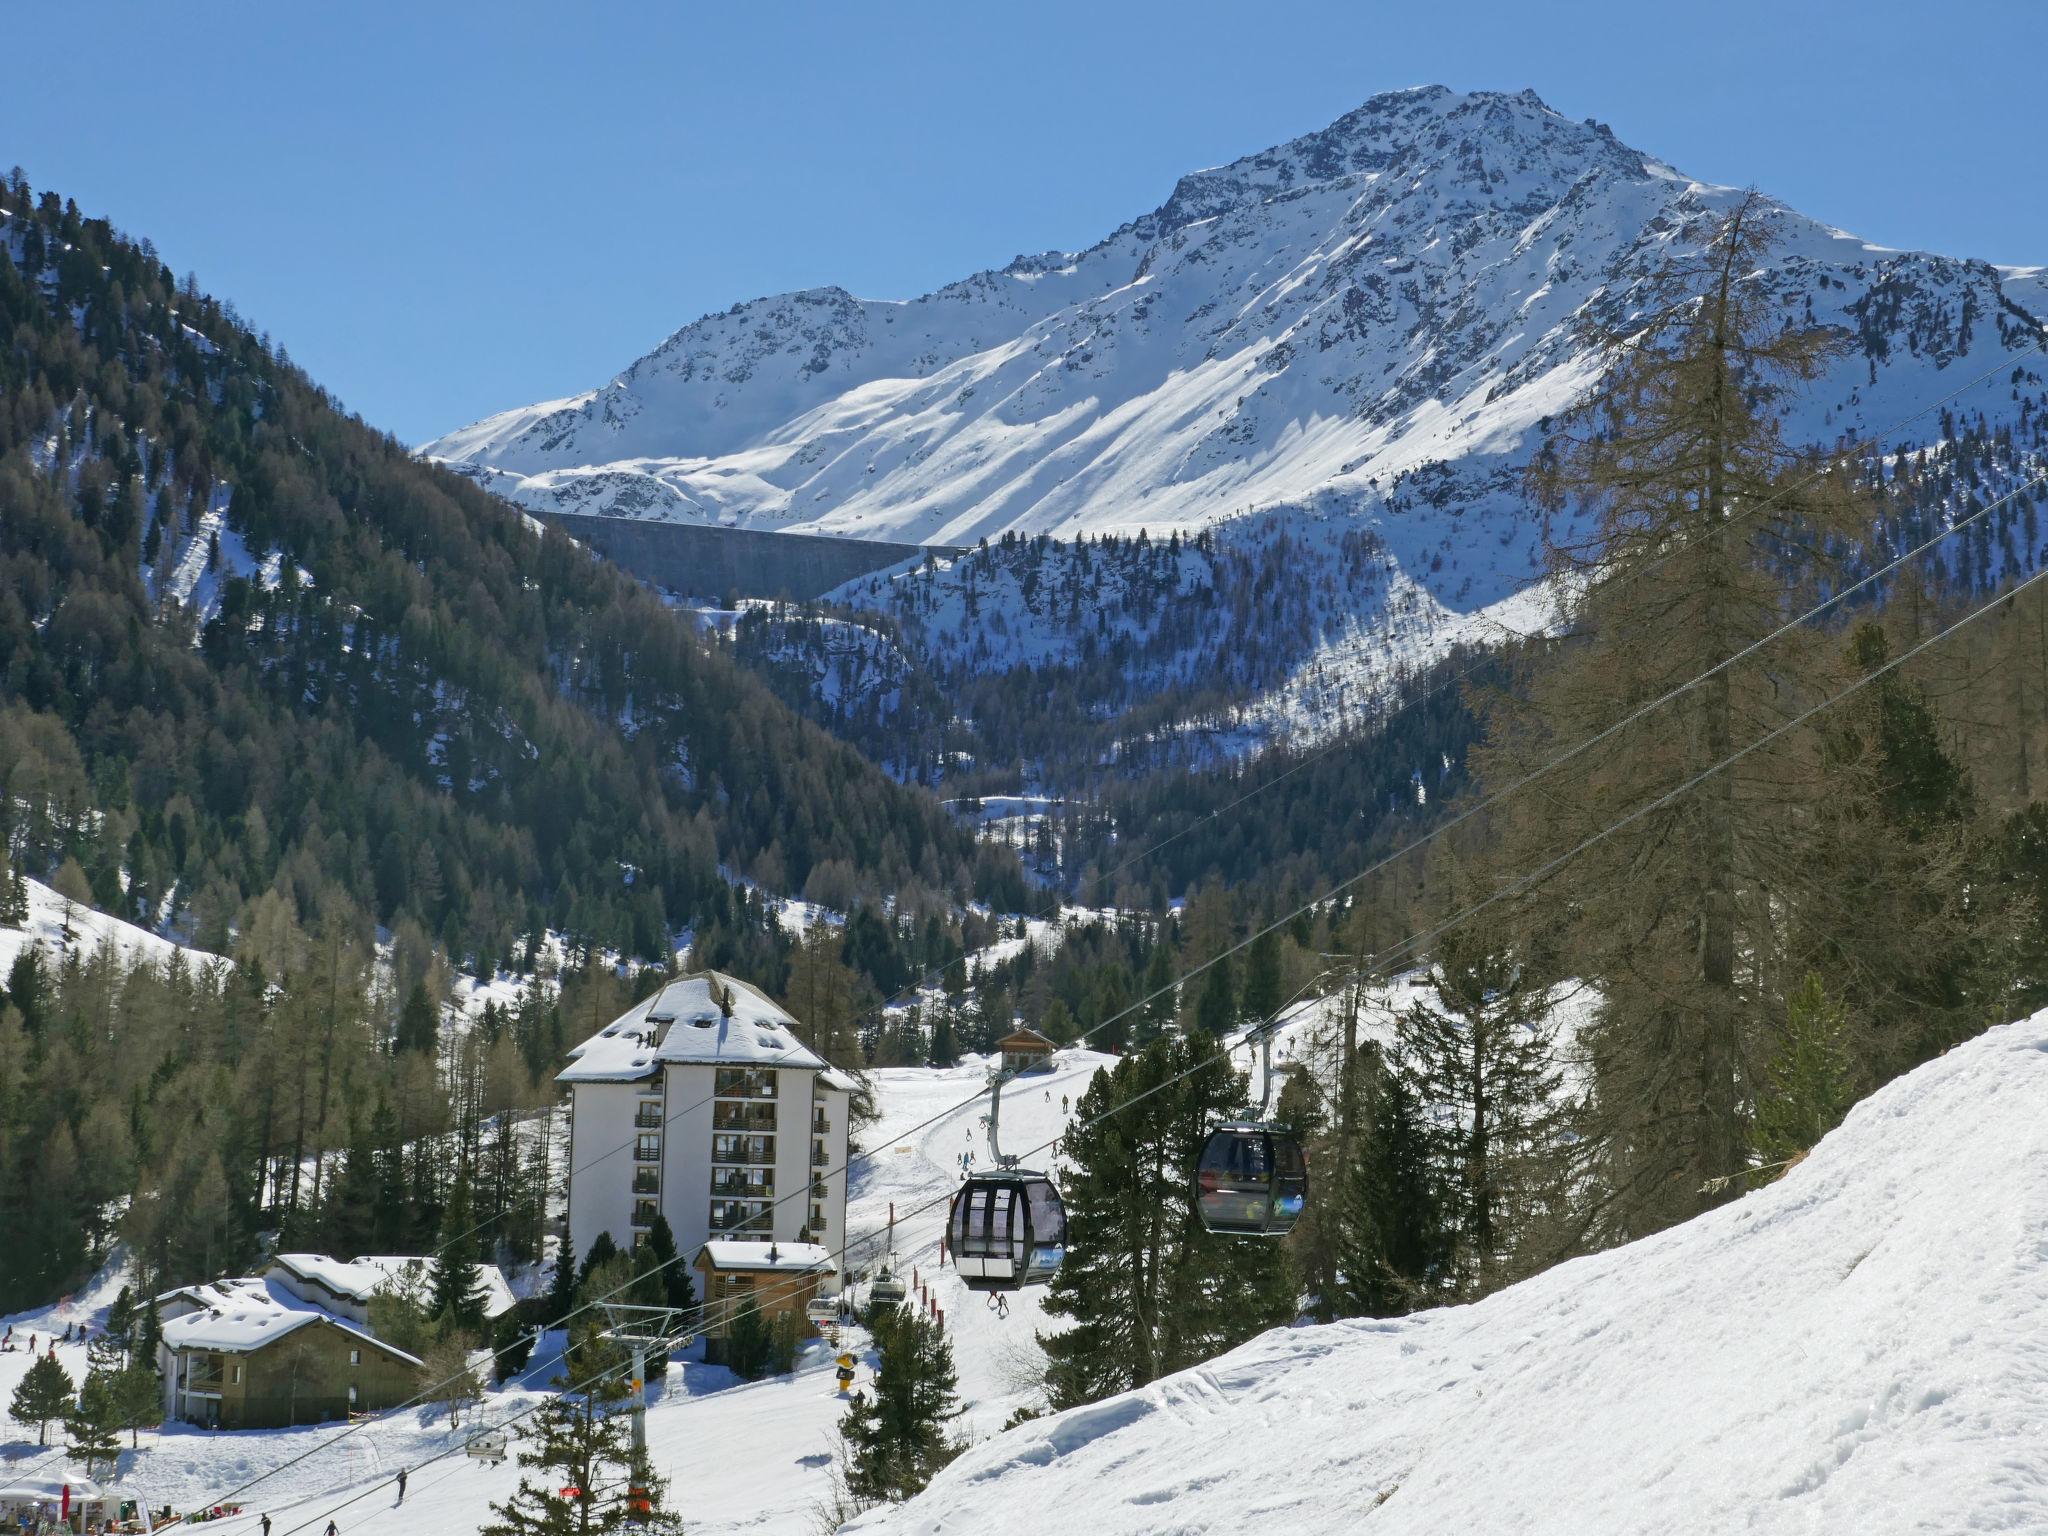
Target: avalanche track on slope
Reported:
point(1857, 1347)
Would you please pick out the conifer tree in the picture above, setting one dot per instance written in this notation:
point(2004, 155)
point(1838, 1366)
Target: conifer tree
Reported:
point(457, 1297)
point(1807, 1084)
point(898, 1438)
point(749, 1344)
point(1261, 997)
point(678, 1289)
point(1145, 1287)
point(579, 1474)
point(92, 1425)
point(43, 1394)
point(138, 1397)
point(1391, 1247)
point(562, 1289)
point(1679, 501)
point(13, 898)
point(1478, 1050)
point(1157, 1016)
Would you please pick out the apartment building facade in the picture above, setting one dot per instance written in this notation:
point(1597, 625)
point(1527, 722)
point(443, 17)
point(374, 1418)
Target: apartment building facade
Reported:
point(702, 1104)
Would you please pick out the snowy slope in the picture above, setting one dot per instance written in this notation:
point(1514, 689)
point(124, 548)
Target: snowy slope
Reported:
point(47, 915)
point(1856, 1348)
point(1373, 318)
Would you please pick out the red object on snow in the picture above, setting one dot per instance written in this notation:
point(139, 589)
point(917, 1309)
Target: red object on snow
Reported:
point(64, 1505)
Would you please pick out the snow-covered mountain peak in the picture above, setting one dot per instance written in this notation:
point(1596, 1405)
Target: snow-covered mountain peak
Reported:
point(1488, 141)
point(1368, 320)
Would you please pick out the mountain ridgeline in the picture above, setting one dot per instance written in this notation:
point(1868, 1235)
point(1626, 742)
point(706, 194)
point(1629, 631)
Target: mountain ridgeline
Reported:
point(248, 643)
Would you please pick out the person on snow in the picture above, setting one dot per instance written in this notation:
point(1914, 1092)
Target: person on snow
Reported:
point(401, 1485)
point(332, 1529)
point(266, 1525)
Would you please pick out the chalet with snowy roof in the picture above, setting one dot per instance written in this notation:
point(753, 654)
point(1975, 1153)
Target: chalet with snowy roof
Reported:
point(771, 1278)
point(1025, 1050)
point(253, 1354)
point(702, 1105)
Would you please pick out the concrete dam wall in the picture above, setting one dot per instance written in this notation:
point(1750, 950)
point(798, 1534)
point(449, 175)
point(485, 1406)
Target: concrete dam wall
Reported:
point(711, 562)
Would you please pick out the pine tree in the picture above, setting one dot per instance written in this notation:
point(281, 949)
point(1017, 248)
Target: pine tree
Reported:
point(1216, 1003)
point(44, 1394)
point(1807, 1082)
point(457, 1297)
point(13, 898)
point(149, 1334)
point(1145, 1287)
point(139, 1397)
point(579, 1474)
point(1261, 997)
point(121, 1316)
point(602, 1251)
point(678, 1289)
point(419, 1022)
point(1158, 1013)
point(562, 1288)
point(898, 1438)
point(93, 1424)
point(1481, 1056)
point(749, 1345)
point(1391, 1247)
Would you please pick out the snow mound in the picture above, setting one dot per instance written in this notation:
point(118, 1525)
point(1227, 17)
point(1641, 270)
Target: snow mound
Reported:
point(1855, 1348)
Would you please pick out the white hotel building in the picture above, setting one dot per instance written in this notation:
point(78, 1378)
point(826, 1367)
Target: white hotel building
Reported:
point(702, 1104)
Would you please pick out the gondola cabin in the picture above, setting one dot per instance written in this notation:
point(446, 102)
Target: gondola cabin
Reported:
point(1252, 1181)
point(1007, 1230)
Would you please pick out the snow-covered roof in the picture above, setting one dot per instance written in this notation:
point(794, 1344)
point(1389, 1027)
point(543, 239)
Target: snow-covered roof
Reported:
point(337, 1275)
point(832, 1077)
point(403, 1269)
point(684, 1023)
point(361, 1278)
point(726, 1253)
point(239, 1316)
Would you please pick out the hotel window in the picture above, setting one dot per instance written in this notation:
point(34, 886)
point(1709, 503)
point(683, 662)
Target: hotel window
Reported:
point(355, 1357)
point(647, 1146)
point(238, 1375)
point(744, 1083)
point(351, 1394)
point(729, 1148)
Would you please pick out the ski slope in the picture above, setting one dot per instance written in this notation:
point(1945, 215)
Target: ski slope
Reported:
point(1858, 1347)
point(742, 1457)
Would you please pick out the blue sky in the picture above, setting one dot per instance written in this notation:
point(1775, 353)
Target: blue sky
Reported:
point(443, 211)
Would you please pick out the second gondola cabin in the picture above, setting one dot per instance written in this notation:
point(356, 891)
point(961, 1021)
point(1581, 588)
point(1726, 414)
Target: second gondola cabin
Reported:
point(1251, 1181)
